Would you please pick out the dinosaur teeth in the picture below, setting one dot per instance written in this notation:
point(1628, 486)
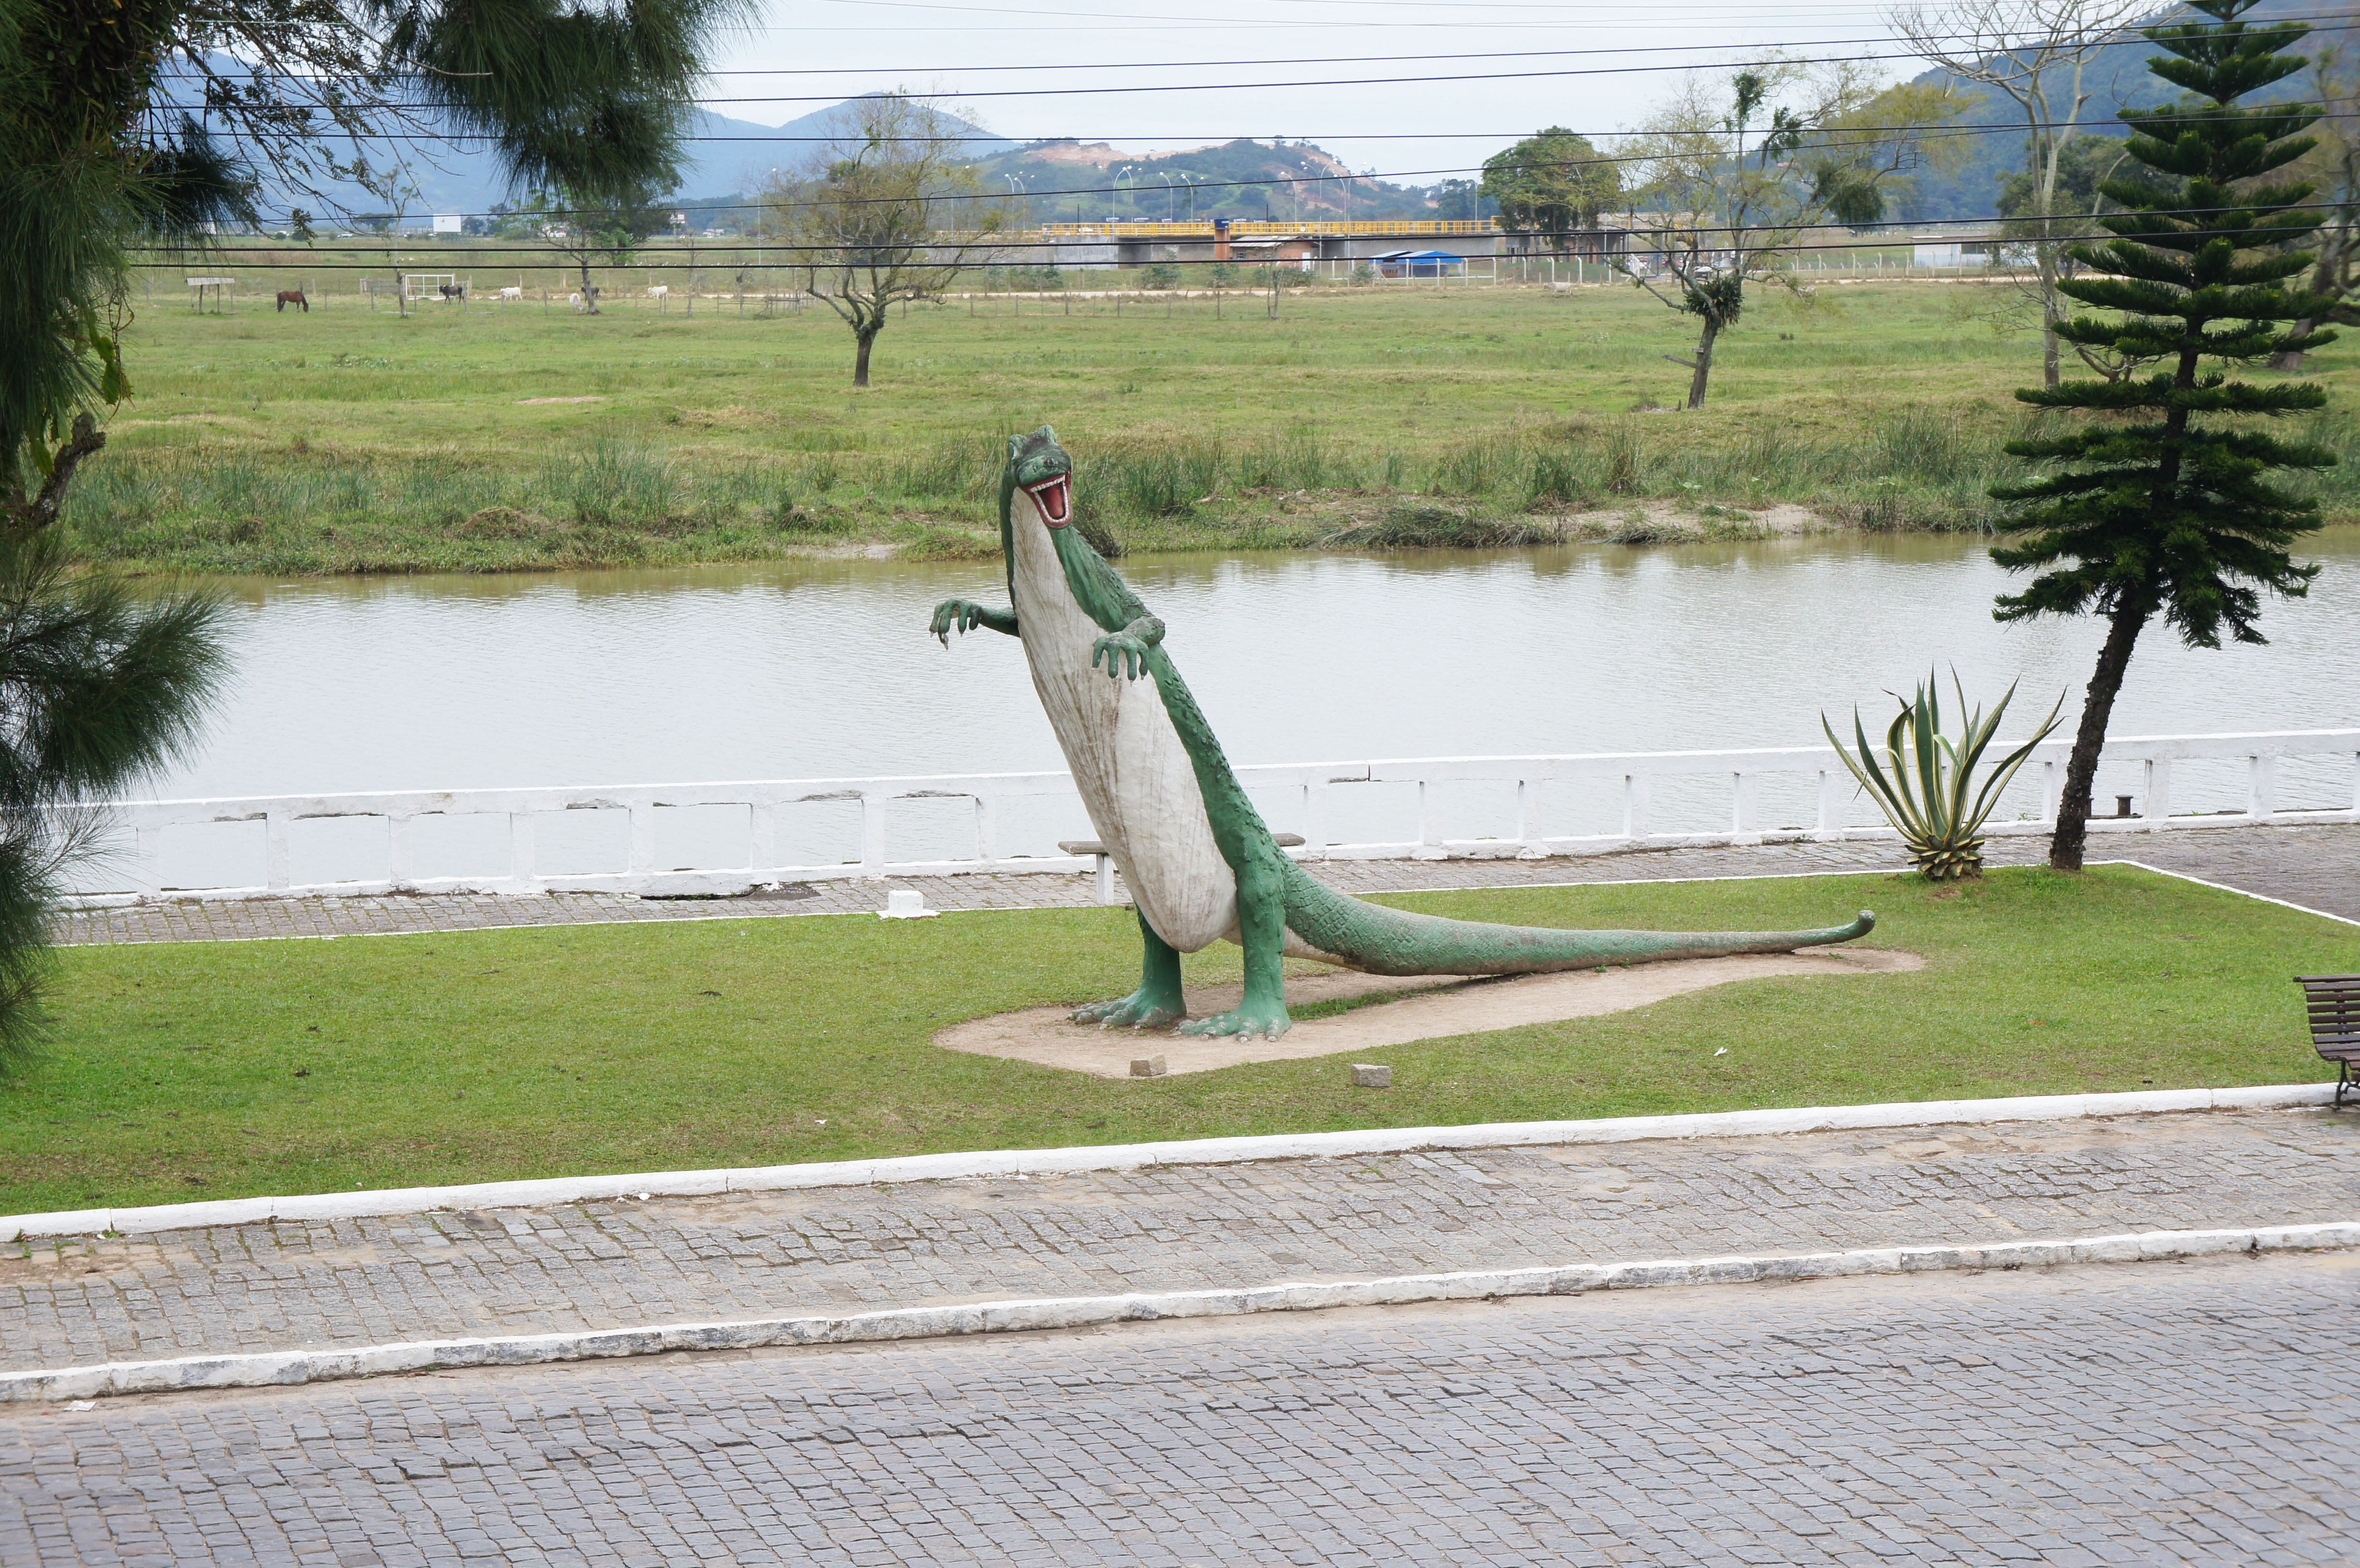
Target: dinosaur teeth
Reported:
point(1050, 497)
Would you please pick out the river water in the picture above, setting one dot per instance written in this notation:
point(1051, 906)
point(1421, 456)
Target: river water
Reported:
point(818, 669)
point(803, 670)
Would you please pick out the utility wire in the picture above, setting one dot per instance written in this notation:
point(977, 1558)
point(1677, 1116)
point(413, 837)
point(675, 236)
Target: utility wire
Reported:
point(2331, 21)
point(1919, 133)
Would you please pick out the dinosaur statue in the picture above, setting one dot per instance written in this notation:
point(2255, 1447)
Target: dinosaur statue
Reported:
point(1198, 861)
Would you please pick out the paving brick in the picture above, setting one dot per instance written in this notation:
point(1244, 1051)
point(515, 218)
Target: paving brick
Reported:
point(2318, 867)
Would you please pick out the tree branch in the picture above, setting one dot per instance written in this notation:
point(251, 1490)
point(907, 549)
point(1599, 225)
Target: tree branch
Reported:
point(43, 508)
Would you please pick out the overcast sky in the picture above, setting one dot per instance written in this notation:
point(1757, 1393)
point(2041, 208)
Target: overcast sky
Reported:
point(1425, 130)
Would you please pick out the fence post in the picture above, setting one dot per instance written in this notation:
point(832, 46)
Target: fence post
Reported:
point(763, 830)
point(396, 848)
point(2158, 793)
point(2261, 788)
point(147, 867)
point(1634, 805)
point(2049, 793)
point(1831, 807)
point(520, 850)
point(1744, 805)
point(643, 836)
point(986, 842)
point(872, 835)
point(275, 851)
point(1315, 820)
point(1426, 839)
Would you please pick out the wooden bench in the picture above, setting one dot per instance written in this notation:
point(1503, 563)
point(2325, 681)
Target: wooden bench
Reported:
point(2333, 1001)
point(1105, 870)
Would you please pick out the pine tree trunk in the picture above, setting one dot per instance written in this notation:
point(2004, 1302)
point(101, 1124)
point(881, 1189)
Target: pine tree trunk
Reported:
point(2081, 767)
point(860, 359)
point(1703, 373)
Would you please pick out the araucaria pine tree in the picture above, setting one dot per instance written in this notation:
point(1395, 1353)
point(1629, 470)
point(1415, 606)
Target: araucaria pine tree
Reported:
point(2163, 501)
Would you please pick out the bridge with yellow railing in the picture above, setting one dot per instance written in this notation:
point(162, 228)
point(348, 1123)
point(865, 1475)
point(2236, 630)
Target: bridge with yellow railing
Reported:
point(1251, 228)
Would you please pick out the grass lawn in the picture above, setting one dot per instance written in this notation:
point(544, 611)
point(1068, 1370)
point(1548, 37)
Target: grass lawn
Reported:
point(222, 1070)
point(351, 440)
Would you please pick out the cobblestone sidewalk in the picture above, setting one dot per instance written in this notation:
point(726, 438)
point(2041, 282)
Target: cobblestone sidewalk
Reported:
point(607, 1265)
point(2134, 1415)
point(2318, 867)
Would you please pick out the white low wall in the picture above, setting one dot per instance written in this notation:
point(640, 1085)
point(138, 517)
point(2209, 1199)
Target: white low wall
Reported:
point(1427, 837)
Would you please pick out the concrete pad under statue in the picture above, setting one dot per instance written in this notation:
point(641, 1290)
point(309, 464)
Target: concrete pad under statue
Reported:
point(1427, 1008)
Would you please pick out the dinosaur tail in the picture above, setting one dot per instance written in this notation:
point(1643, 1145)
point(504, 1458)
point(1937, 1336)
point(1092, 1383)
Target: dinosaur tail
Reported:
point(1383, 941)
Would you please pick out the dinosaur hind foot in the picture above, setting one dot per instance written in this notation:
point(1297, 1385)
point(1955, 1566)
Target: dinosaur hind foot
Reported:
point(1139, 1010)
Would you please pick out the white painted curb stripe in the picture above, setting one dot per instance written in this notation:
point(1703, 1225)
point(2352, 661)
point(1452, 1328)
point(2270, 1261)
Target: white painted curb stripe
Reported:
point(1133, 1155)
point(273, 1369)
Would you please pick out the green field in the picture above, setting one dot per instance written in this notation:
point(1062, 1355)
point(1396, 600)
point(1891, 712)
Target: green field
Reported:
point(517, 437)
point(219, 1069)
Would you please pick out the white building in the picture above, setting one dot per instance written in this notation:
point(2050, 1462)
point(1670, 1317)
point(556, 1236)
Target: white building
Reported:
point(449, 222)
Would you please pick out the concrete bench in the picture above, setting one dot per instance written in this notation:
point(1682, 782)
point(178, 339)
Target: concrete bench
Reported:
point(1105, 868)
point(2333, 1004)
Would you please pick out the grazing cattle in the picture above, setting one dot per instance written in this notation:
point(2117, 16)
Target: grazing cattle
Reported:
point(586, 306)
point(511, 293)
point(294, 297)
point(661, 291)
point(451, 290)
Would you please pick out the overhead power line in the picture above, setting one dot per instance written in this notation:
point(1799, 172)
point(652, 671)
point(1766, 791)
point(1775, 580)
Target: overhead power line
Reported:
point(1273, 182)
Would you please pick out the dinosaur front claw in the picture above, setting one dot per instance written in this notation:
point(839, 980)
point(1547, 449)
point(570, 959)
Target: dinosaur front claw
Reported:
point(1242, 1023)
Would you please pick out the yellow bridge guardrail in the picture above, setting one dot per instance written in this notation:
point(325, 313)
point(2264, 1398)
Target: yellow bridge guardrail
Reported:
point(1202, 228)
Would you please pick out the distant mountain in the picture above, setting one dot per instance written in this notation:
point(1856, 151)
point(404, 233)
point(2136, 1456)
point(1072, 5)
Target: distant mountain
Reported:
point(460, 175)
point(2121, 80)
point(1070, 181)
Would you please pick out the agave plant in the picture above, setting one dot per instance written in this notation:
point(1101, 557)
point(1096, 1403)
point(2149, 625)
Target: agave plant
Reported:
point(1931, 794)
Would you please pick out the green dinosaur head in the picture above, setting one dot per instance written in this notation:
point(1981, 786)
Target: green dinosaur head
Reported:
point(1039, 466)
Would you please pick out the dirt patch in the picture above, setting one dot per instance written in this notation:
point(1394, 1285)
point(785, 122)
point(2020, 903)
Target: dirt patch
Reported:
point(1670, 522)
point(1436, 1009)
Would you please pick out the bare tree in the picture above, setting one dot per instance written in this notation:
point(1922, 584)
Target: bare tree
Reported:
point(1735, 170)
point(392, 185)
point(2333, 83)
point(2037, 54)
point(887, 210)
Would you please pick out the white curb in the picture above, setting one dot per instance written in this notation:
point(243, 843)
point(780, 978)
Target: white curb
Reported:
point(274, 1369)
point(1131, 1156)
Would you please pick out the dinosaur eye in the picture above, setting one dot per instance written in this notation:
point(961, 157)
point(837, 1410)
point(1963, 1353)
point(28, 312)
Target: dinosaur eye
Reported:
point(1051, 497)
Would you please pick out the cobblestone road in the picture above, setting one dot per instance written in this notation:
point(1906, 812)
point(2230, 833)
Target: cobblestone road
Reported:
point(610, 1264)
point(2318, 867)
point(2193, 1413)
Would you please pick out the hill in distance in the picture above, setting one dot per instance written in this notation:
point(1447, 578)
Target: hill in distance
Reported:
point(2118, 78)
point(1069, 181)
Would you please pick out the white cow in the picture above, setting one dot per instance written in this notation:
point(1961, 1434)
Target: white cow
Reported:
point(511, 293)
point(659, 291)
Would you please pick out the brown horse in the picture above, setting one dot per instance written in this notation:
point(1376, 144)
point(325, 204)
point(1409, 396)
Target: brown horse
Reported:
point(293, 297)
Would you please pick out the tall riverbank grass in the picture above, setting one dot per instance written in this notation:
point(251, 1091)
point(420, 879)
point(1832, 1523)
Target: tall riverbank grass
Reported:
point(347, 441)
point(216, 1070)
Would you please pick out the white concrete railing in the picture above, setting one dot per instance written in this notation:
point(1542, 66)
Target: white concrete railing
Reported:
point(1634, 773)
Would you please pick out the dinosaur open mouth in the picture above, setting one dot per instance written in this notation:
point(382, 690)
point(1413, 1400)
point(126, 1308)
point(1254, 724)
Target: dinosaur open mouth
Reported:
point(1050, 497)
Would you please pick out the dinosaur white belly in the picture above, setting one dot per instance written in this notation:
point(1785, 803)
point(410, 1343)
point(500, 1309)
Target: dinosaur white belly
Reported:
point(1133, 774)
